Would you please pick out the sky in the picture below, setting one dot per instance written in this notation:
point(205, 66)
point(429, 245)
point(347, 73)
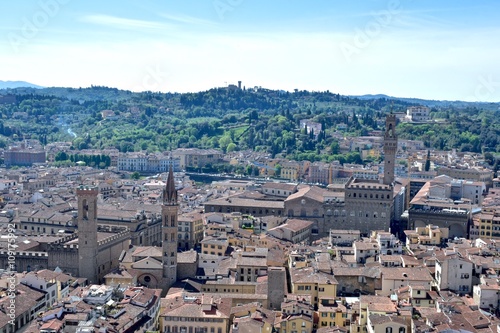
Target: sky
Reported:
point(444, 50)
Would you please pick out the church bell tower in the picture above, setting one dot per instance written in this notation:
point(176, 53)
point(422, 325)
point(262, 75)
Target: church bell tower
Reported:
point(169, 210)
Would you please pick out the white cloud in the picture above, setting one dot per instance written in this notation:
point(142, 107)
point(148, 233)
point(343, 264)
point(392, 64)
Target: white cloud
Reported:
point(125, 23)
point(187, 19)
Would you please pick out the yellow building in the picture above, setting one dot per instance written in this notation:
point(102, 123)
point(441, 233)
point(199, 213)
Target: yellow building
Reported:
point(252, 317)
point(294, 170)
point(489, 223)
point(120, 277)
point(372, 305)
point(216, 245)
point(318, 285)
point(428, 235)
point(194, 314)
point(332, 313)
point(294, 323)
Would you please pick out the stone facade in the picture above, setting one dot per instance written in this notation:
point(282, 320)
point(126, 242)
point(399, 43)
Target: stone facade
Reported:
point(87, 233)
point(169, 211)
point(369, 206)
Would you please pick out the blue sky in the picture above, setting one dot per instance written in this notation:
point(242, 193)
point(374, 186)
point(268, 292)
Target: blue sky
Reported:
point(427, 49)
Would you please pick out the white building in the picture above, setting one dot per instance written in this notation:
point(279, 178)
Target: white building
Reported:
point(418, 113)
point(454, 273)
point(6, 184)
point(143, 162)
point(486, 295)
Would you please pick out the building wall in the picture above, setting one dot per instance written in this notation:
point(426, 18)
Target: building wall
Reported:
point(418, 113)
point(353, 284)
point(456, 222)
point(454, 274)
point(276, 277)
point(482, 175)
point(109, 252)
point(87, 233)
point(170, 324)
point(369, 206)
point(25, 158)
point(169, 243)
point(389, 285)
point(483, 296)
point(186, 270)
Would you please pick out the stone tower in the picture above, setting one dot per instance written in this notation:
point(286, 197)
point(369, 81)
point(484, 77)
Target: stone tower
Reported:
point(390, 148)
point(169, 211)
point(87, 233)
point(276, 280)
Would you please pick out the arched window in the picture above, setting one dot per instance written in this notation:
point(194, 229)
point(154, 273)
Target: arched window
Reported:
point(388, 330)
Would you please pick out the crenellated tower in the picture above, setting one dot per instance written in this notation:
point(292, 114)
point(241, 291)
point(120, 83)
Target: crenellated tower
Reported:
point(87, 233)
point(169, 210)
point(390, 148)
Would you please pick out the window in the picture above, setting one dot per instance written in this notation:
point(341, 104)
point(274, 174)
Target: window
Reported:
point(388, 330)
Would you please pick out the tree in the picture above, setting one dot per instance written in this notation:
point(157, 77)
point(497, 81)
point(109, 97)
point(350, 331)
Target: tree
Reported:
point(489, 158)
point(277, 169)
point(224, 142)
point(335, 148)
point(231, 147)
point(135, 175)
point(427, 166)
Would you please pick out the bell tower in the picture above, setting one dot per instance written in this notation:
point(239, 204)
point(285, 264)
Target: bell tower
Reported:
point(87, 233)
point(390, 148)
point(169, 210)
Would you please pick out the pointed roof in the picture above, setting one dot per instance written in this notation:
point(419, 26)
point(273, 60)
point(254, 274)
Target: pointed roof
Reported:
point(170, 193)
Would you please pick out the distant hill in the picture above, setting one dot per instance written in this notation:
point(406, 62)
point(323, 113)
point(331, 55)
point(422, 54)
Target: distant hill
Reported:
point(17, 84)
point(114, 94)
point(433, 103)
